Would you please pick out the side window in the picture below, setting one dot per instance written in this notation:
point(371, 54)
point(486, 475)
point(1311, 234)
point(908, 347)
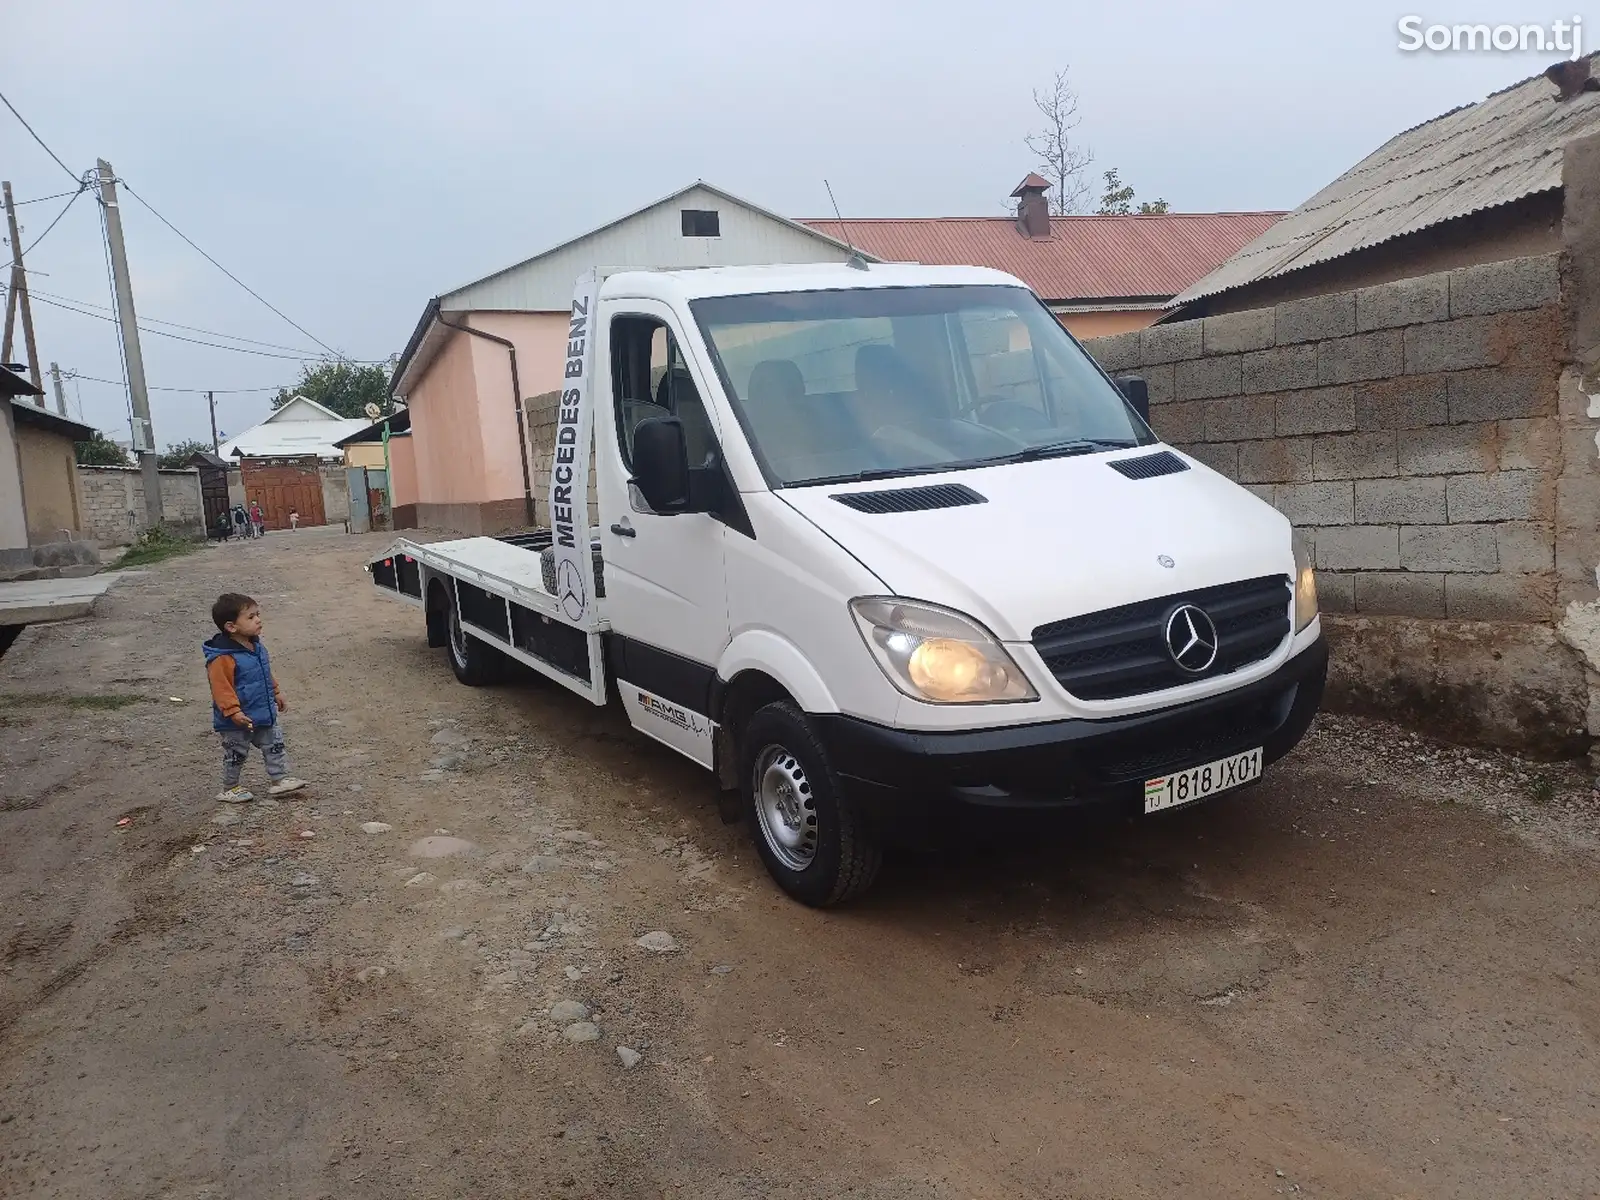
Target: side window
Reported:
point(1005, 370)
point(651, 378)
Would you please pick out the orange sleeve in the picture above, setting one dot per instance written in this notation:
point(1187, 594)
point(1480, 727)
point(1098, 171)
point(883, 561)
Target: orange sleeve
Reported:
point(219, 671)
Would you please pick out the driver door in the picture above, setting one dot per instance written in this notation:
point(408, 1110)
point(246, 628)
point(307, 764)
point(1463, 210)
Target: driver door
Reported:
point(665, 585)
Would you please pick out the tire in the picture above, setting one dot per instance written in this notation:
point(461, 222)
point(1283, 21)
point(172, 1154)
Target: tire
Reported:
point(811, 838)
point(474, 663)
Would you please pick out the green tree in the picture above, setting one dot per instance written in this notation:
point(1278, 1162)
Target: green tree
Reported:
point(345, 387)
point(101, 451)
point(179, 453)
point(1117, 200)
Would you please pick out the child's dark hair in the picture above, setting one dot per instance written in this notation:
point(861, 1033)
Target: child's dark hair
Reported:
point(228, 607)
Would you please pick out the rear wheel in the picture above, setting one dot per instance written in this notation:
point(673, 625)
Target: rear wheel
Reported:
point(808, 832)
point(474, 663)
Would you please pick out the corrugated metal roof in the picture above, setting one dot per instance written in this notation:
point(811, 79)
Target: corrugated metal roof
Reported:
point(1084, 258)
point(1476, 157)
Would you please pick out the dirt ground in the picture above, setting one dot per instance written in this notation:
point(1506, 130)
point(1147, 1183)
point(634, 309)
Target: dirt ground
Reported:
point(1374, 975)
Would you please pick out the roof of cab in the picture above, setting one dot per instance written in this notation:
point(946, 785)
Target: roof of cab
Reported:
point(698, 283)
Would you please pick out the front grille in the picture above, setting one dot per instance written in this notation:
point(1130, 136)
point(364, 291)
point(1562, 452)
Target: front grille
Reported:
point(1122, 651)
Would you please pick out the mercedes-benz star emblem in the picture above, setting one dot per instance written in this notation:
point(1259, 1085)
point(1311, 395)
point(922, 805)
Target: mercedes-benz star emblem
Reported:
point(1191, 639)
point(1166, 561)
point(569, 589)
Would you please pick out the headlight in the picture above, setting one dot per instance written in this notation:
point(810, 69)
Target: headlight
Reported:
point(1305, 585)
point(936, 655)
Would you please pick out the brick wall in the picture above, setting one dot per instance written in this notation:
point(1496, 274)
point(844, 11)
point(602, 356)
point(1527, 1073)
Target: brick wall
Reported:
point(1430, 439)
point(112, 503)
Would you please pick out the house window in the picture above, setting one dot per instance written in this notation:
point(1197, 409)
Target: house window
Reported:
point(700, 222)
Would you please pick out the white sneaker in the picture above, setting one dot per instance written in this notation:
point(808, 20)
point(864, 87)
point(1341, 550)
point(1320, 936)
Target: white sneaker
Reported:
point(286, 785)
point(235, 795)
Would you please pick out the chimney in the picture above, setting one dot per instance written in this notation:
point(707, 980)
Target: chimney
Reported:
point(1571, 78)
point(1033, 211)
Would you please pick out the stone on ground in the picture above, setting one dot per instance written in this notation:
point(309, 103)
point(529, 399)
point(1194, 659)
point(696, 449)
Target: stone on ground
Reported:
point(630, 1058)
point(582, 1031)
point(658, 941)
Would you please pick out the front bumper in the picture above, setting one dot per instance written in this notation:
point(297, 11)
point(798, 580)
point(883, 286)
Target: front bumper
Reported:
point(1074, 763)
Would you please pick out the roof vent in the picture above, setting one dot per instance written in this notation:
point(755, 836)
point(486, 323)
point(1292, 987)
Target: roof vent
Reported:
point(1148, 466)
point(917, 499)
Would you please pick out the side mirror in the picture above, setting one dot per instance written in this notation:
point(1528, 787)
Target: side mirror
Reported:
point(1137, 392)
point(661, 463)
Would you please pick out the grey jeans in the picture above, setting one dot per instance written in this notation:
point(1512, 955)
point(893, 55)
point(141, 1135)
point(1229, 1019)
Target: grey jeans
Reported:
point(236, 745)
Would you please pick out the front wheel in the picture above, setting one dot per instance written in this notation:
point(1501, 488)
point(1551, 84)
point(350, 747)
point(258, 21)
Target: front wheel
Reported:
point(808, 832)
point(474, 663)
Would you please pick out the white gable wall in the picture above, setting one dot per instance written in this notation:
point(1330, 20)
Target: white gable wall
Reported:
point(652, 239)
point(301, 409)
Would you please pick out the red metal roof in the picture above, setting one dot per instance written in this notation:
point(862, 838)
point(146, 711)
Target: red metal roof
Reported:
point(1088, 258)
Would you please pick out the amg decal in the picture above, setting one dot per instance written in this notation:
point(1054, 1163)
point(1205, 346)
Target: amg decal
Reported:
point(671, 713)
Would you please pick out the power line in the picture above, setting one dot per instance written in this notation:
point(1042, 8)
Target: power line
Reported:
point(39, 139)
point(42, 199)
point(154, 388)
point(56, 222)
point(298, 356)
point(228, 273)
point(232, 337)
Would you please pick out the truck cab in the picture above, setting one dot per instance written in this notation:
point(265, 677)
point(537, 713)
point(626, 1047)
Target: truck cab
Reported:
point(876, 542)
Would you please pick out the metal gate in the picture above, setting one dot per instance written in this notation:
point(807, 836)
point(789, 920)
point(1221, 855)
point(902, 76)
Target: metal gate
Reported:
point(283, 486)
point(214, 497)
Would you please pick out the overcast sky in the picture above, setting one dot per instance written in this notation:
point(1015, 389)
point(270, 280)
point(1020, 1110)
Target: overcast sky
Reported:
point(349, 161)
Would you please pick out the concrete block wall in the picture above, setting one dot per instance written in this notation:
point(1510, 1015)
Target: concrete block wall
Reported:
point(540, 415)
point(112, 503)
point(1409, 430)
point(1432, 441)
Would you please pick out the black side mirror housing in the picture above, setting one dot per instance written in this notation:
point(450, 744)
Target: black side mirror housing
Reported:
point(661, 464)
point(1137, 392)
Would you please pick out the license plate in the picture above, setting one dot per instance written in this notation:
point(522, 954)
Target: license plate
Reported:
point(1185, 787)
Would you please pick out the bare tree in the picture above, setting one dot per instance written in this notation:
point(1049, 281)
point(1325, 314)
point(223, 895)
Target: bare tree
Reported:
point(1062, 158)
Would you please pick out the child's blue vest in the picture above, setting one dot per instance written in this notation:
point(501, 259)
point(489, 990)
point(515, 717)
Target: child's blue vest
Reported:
point(252, 680)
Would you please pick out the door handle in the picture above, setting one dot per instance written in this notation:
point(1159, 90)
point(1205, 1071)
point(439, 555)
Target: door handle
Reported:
point(622, 530)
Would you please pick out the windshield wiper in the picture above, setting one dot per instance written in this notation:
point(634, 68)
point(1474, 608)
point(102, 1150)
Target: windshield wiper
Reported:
point(1066, 448)
point(874, 473)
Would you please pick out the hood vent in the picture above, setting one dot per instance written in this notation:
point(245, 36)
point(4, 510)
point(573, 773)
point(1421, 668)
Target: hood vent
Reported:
point(916, 499)
point(1148, 466)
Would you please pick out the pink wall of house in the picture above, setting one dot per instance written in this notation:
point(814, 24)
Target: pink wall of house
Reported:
point(541, 342)
point(468, 461)
point(444, 428)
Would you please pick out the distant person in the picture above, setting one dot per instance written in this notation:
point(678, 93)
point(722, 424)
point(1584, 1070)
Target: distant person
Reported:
point(241, 521)
point(294, 520)
point(245, 699)
point(224, 525)
point(258, 522)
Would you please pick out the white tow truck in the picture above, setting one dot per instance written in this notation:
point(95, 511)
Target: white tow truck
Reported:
point(878, 541)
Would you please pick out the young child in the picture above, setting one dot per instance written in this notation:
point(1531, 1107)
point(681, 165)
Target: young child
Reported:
point(245, 699)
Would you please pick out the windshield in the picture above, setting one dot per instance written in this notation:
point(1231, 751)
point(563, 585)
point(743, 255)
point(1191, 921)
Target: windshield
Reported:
point(877, 382)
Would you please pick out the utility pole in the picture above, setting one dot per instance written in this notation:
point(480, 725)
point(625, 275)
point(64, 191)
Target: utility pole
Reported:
point(211, 403)
point(18, 294)
point(132, 357)
point(61, 392)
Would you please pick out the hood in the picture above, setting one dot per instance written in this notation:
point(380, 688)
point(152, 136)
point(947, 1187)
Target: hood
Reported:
point(1058, 538)
point(222, 644)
